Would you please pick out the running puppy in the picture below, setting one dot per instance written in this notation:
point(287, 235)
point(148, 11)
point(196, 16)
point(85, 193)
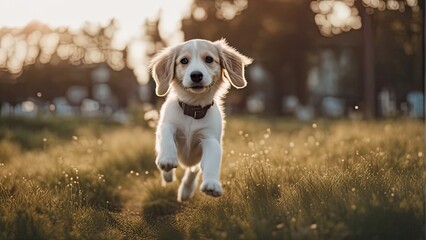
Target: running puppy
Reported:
point(195, 76)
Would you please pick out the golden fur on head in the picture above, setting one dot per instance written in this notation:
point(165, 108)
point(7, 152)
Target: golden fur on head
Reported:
point(215, 61)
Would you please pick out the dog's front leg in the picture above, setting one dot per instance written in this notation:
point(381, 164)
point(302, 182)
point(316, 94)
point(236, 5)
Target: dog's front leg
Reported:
point(210, 166)
point(166, 148)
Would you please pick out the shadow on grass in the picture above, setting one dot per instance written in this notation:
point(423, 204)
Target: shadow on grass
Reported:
point(386, 223)
point(159, 208)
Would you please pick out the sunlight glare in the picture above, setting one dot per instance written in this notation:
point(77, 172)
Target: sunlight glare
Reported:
point(341, 10)
point(129, 17)
point(28, 106)
point(335, 17)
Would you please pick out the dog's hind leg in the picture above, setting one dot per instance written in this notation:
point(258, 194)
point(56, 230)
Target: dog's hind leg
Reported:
point(167, 177)
point(188, 184)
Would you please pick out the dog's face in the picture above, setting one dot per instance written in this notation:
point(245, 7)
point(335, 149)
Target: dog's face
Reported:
point(198, 66)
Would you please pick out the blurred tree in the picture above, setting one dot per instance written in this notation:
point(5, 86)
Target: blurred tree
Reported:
point(399, 55)
point(276, 34)
point(53, 60)
point(386, 64)
point(153, 37)
point(155, 44)
point(286, 37)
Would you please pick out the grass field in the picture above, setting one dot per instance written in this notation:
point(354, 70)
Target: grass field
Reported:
point(282, 179)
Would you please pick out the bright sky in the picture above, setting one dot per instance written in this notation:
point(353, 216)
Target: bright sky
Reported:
point(130, 15)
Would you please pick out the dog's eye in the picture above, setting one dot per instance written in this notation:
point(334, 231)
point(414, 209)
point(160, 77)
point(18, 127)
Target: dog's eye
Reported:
point(209, 59)
point(184, 61)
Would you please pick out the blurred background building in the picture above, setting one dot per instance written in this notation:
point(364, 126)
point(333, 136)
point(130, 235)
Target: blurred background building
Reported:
point(312, 58)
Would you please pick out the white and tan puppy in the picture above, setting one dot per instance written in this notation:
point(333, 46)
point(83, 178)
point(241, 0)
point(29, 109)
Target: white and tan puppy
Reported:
point(195, 76)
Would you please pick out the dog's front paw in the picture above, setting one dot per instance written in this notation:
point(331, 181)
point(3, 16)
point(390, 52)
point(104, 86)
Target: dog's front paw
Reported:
point(166, 164)
point(211, 188)
point(167, 177)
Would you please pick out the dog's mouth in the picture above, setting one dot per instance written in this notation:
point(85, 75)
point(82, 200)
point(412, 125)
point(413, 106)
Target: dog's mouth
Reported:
point(198, 89)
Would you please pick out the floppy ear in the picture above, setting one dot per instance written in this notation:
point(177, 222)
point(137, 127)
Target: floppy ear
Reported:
point(233, 63)
point(162, 67)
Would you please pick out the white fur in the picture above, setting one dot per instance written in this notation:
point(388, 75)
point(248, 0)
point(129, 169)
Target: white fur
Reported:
point(194, 143)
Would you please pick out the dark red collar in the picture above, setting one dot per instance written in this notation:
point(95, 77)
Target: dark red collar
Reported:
point(196, 112)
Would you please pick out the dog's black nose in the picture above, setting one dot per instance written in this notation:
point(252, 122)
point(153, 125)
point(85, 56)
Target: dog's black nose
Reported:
point(196, 76)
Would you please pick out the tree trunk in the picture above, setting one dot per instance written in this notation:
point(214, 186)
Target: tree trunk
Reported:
point(369, 103)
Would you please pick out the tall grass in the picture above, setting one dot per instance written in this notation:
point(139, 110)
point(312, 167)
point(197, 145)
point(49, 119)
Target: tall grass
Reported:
point(79, 179)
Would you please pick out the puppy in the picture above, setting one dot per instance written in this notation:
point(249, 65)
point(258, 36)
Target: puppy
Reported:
point(195, 76)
